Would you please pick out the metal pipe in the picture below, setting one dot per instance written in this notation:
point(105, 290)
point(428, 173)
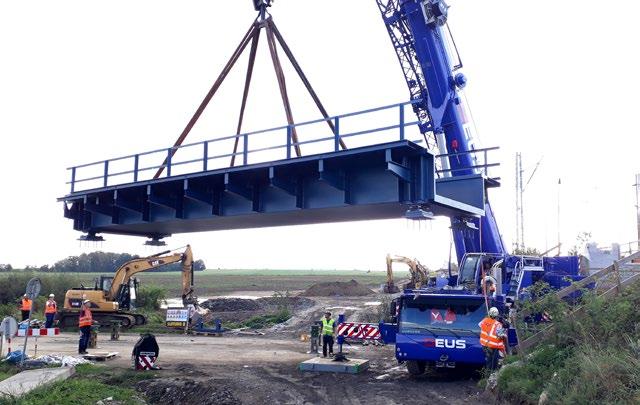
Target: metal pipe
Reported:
point(212, 91)
point(283, 87)
point(304, 79)
point(245, 94)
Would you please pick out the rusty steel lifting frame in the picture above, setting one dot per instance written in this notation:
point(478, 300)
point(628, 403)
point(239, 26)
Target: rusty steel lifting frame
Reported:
point(253, 36)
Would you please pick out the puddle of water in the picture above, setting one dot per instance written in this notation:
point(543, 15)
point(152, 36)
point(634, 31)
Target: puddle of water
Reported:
point(177, 302)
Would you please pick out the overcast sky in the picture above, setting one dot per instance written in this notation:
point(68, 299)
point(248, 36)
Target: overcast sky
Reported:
point(82, 81)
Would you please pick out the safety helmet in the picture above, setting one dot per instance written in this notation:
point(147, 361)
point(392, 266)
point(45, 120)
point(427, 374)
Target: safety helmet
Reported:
point(87, 301)
point(493, 312)
point(51, 295)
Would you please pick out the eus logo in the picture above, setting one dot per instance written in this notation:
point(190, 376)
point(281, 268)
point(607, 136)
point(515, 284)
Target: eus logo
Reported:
point(445, 343)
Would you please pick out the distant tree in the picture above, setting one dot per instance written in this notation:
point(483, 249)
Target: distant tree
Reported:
point(199, 265)
point(106, 262)
point(581, 242)
point(6, 267)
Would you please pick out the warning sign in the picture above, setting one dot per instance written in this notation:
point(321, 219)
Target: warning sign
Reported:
point(177, 317)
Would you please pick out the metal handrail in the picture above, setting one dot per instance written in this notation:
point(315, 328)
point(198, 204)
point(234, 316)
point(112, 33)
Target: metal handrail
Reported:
point(205, 159)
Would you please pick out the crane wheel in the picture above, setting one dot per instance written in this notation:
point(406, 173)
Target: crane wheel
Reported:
point(415, 367)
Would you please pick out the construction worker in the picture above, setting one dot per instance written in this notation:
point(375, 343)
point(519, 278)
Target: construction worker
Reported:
point(25, 307)
point(85, 322)
point(328, 328)
point(491, 338)
point(50, 309)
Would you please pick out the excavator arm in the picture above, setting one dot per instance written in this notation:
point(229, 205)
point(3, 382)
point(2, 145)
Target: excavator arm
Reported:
point(188, 296)
point(419, 274)
point(132, 267)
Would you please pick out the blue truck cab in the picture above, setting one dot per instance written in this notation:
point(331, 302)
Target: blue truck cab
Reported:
point(438, 327)
point(439, 330)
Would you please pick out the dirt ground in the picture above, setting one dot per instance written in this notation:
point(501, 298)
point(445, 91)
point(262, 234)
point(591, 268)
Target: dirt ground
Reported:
point(236, 368)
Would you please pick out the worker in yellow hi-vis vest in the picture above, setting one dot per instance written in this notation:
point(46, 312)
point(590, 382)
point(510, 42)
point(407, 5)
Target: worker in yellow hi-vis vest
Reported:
point(328, 329)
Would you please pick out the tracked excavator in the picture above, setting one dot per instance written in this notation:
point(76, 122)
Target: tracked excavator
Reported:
point(420, 275)
point(113, 296)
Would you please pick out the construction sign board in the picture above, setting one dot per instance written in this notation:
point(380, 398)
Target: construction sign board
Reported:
point(177, 317)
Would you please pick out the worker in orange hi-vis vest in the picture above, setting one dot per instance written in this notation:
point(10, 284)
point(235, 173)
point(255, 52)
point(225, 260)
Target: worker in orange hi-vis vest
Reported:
point(50, 309)
point(25, 307)
point(492, 338)
point(85, 322)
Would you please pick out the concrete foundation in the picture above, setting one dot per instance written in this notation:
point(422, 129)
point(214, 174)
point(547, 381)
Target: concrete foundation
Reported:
point(352, 366)
point(26, 381)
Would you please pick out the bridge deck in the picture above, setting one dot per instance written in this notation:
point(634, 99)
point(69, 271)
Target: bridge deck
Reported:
point(377, 181)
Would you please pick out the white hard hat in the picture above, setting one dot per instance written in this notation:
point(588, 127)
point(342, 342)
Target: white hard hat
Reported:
point(87, 301)
point(493, 312)
point(51, 295)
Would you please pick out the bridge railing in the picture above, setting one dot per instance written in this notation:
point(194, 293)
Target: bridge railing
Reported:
point(480, 163)
point(199, 156)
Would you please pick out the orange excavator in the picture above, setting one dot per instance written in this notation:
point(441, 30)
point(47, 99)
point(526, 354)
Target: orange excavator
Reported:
point(113, 296)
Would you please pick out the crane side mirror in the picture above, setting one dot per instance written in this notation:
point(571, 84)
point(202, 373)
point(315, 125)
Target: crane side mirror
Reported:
point(393, 308)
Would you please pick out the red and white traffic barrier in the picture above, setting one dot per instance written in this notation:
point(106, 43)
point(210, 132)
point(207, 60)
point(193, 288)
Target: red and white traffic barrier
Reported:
point(146, 362)
point(356, 330)
point(40, 332)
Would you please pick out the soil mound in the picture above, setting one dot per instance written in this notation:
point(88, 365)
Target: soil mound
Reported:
point(186, 391)
point(231, 304)
point(337, 288)
point(247, 304)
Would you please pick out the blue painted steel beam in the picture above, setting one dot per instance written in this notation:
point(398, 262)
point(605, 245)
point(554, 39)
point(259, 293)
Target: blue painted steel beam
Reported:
point(356, 184)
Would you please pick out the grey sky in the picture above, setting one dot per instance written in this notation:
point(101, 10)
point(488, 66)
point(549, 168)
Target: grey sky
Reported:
point(87, 80)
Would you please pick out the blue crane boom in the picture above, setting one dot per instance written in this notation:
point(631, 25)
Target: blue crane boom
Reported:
point(437, 325)
point(419, 33)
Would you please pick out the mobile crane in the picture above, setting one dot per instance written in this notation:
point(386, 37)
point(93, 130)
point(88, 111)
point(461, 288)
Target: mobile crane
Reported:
point(423, 335)
point(112, 297)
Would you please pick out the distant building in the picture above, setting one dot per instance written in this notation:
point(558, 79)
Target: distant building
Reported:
point(599, 257)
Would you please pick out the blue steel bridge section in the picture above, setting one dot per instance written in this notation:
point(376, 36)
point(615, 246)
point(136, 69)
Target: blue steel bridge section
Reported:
point(372, 181)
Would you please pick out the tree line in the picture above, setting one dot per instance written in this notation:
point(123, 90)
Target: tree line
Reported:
point(98, 262)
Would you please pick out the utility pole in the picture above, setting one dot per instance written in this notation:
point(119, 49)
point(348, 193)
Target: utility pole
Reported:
point(519, 203)
point(559, 243)
point(637, 186)
point(520, 188)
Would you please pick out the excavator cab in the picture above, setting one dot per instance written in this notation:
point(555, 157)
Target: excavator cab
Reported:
point(104, 283)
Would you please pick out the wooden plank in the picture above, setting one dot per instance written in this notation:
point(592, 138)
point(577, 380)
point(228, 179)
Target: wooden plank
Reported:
point(612, 292)
point(100, 356)
point(588, 280)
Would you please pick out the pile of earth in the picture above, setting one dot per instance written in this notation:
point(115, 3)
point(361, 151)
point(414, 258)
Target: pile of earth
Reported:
point(241, 309)
point(186, 391)
point(337, 288)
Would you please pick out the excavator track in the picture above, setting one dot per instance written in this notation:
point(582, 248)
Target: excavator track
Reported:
point(127, 320)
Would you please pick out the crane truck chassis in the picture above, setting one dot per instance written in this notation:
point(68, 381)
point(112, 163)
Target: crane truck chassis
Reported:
point(437, 327)
point(113, 297)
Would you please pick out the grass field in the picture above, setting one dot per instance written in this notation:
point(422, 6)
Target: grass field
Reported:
point(213, 282)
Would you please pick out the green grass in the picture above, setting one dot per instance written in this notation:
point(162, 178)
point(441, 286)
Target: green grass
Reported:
point(89, 385)
point(594, 358)
point(7, 370)
point(214, 282)
point(261, 321)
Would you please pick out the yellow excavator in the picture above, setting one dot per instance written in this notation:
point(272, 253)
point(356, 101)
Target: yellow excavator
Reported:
point(419, 274)
point(113, 297)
